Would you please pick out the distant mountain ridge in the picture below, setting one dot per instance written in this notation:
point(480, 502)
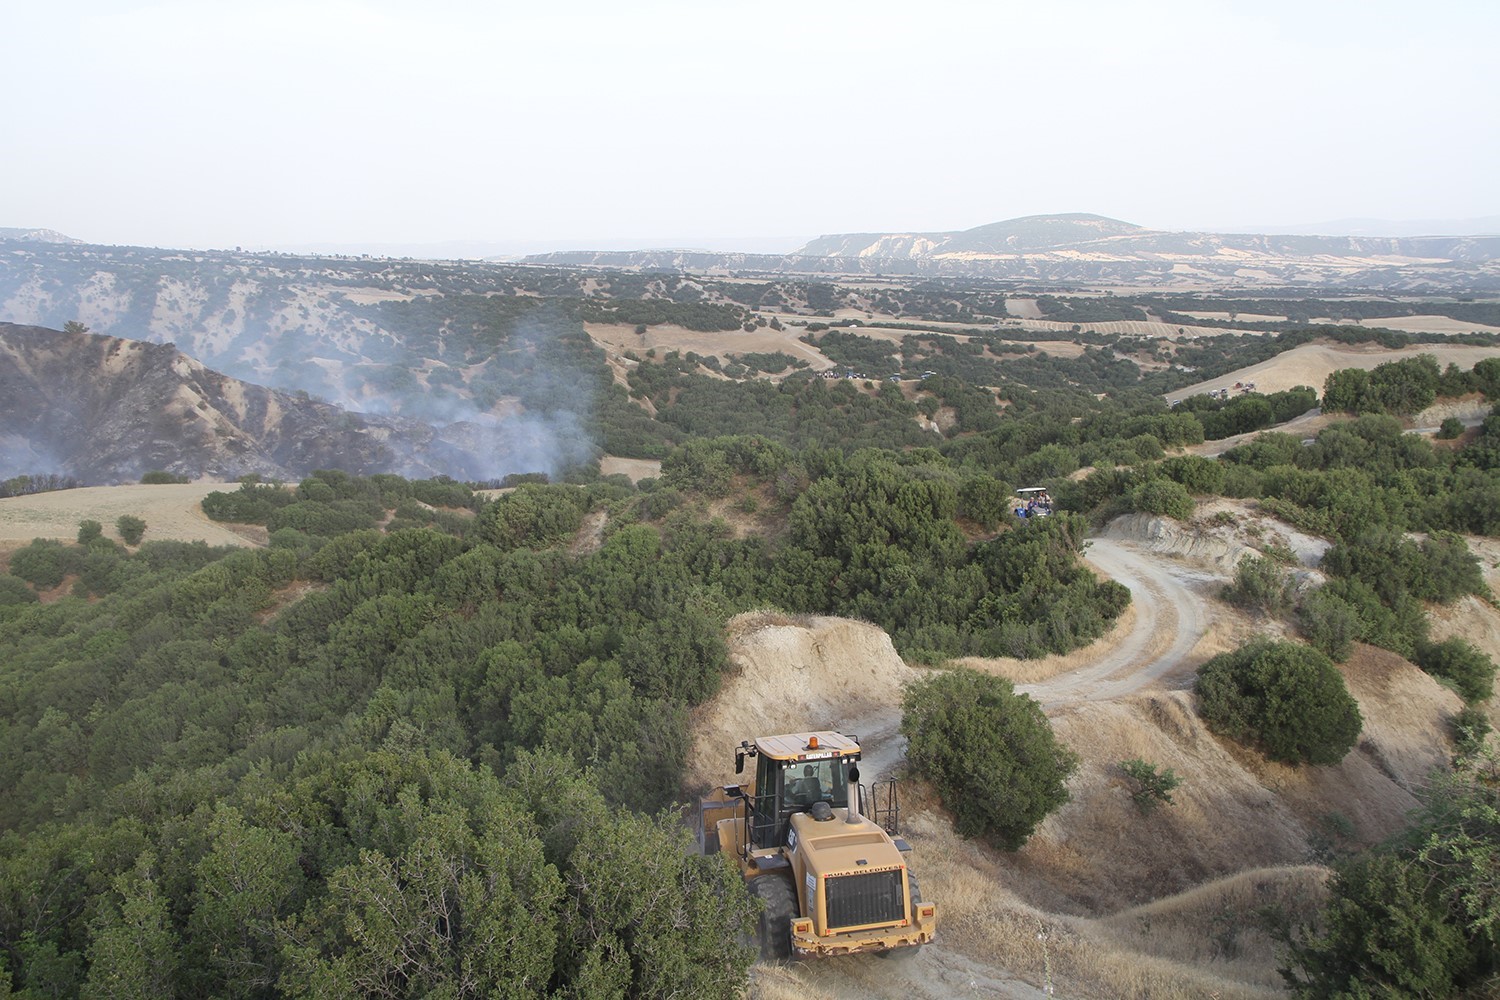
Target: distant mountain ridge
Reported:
point(1029, 233)
point(1096, 234)
point(1083, 248)
point(36, 235)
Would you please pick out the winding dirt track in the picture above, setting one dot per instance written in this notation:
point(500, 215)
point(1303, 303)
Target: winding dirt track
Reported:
point(1170, 619)
point(1169, 622)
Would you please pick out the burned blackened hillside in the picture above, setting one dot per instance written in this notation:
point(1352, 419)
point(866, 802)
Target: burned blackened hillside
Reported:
point(104, 410)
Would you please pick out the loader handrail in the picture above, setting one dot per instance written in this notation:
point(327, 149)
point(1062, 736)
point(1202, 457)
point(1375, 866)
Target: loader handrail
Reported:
point(885, 807)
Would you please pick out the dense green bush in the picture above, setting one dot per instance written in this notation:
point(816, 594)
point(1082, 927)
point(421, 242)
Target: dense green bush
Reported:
point(1458, 661)
point(326, 518)
point(1416, 917)
point(1329, 623)
point(1399, 387)
point(252, 503)
point(1397, 624)
point(1261, 585)
point(1162, 496)
point(1199, 476)
point(88, 531)
point(534, 516)
point(1440, 568)
point(984, 500)
point(44, 563)
point(1284, 698)
point(131, 528)
point(13, 591)
point(990, 753)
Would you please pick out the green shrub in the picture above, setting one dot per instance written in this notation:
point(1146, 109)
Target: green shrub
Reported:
point(1398, 627)
point(1330, 623)
point(43, 563)
point(984, 500)
point(131, 528)
point(1471, 727)
point(1471, 671)
point(1261, 585)
point(250, 504)
point(1200, 476)
point(1162, 496)
point(990, 753)
point(1450, 428)
point(328, 519)
point(1285, 698)
point(13, 591)
point(1415, 917)
point(532, 516)
point(1386, 932)
point(88, 531)
point(1153, 787)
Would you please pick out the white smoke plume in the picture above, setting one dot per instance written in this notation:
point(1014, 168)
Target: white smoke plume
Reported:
point(543, 429)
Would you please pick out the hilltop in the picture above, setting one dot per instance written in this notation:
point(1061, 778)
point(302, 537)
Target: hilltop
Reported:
point(1094, 249)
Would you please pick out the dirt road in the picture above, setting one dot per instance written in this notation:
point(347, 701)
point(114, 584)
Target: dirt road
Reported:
point(1170, 619)
point(1169, 622)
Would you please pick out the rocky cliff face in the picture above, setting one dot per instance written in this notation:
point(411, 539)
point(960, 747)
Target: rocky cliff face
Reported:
point(105, 410)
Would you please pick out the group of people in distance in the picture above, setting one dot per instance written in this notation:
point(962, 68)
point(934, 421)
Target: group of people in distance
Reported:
point(1034, 503)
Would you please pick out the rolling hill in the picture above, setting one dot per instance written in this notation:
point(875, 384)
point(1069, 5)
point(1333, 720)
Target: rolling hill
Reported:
point(104, 410)
point(1091, 248)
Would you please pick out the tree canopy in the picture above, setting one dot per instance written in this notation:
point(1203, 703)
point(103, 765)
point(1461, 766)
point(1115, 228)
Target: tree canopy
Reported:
point(990, 753)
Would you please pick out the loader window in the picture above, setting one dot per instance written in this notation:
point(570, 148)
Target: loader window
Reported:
point(812, 781)
point(783, 787)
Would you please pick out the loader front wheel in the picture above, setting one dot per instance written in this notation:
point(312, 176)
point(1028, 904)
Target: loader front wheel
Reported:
point(779, 898)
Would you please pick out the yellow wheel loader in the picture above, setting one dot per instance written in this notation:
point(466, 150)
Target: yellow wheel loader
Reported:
point(834, 881)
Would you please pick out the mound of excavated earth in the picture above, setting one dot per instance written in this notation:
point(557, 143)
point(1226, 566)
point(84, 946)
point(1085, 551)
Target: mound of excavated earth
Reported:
point(793, 674)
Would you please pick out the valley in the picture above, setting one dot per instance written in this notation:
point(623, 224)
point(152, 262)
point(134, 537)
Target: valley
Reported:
point(558, 534)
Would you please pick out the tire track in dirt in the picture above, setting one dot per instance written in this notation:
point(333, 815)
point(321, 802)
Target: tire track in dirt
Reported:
point(1170, 619)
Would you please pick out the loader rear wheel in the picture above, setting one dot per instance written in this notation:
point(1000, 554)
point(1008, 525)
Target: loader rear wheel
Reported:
point(780, 899)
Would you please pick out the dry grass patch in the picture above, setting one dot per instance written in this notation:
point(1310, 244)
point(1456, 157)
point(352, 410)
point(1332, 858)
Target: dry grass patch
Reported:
point(1224, 925)
point(172, 512)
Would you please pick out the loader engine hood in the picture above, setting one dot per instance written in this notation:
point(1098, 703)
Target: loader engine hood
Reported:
point(852, 875)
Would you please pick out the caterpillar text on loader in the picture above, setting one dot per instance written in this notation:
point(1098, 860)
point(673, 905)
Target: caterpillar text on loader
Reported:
point(833, 880)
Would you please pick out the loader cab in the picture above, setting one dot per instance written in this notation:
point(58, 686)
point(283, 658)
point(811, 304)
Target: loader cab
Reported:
point(792, 773)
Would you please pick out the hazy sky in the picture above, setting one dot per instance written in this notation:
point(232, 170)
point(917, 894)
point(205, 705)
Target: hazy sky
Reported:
point(209, 124)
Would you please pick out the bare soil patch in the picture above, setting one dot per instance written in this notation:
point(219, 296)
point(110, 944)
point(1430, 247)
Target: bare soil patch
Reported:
point(636, 468)
point(1311, 364)
point(172, 512)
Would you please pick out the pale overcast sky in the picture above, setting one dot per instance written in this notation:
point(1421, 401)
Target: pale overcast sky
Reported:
point(211, 124)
